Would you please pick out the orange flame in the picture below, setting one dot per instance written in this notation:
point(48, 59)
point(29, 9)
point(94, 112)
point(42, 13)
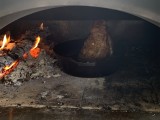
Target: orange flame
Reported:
point(41, 26)
point(9, 68)
point(34, 52)
point(36, 42)
point(5, 41)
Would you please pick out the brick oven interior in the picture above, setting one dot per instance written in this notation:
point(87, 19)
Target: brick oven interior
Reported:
point(132, 88)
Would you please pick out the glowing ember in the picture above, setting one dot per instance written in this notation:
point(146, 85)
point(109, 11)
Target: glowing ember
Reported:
point(41, 26)
point(25, 55)
point(5, 41)
point(8, 68)
point(35, 51)
point(11, 66)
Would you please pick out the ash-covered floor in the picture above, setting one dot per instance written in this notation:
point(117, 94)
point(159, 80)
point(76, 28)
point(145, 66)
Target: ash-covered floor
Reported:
point(65, 97)
point(124, 90)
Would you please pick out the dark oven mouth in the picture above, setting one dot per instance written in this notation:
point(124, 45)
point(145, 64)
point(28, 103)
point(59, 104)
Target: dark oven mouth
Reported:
point(81, 57)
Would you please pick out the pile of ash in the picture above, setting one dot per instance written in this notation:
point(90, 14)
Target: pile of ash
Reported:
point(43, 66)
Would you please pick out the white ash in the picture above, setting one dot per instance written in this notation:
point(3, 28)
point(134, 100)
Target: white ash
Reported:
point(56, 75)
point(43, 66)
point(60, 96)
point(32, 68)
point(5, 60)
point(20, 73)
point(17, 83)
point(44, 94)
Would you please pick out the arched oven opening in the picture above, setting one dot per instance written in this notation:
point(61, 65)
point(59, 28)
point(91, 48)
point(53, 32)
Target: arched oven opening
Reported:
point(81, 56)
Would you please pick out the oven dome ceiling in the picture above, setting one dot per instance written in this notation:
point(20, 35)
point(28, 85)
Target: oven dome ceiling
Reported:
point(12, 10)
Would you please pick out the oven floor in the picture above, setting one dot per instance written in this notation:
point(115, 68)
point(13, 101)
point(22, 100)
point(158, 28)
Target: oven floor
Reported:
point(123, 90)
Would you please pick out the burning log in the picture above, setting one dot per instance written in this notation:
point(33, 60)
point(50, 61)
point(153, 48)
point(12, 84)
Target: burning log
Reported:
point(6, 45)
point(19, 62)
point(4, 42)
point(8, 69)
point(35, 51)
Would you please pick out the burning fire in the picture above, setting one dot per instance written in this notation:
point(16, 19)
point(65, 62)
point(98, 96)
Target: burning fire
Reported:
point(36, 43)
point(41, 26)
point(5, 41)
point(5, 44)
point(13, 65)
point(8, 68)
point(35, 51)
